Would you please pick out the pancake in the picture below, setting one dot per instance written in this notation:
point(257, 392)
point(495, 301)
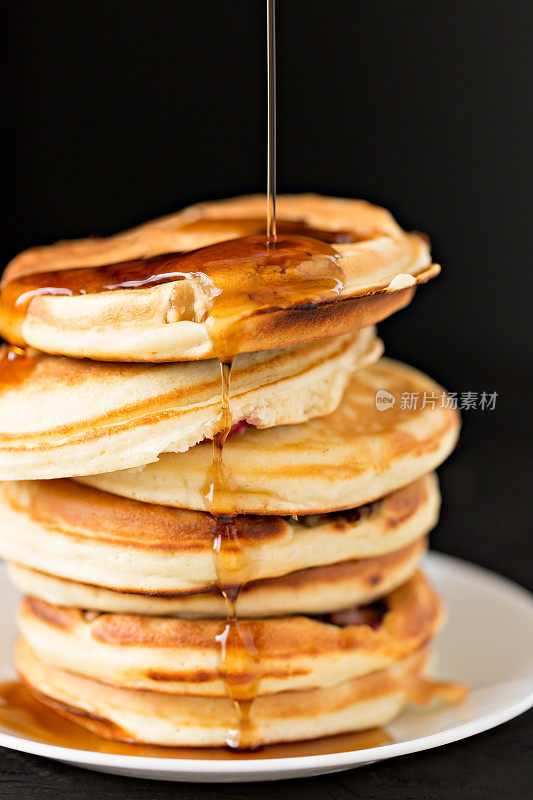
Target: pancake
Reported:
point(62, 417)
point(358, 267)
point(180, 720)
point(183, 656)
point(317, 590)
point(81, 534)
point(348, 458)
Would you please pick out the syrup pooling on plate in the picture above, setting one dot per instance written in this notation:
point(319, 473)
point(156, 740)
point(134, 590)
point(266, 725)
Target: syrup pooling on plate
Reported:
point(223, 283)
point(22, 714)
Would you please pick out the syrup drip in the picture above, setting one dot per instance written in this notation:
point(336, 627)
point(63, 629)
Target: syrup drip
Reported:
point(16, 366)
point(15, 353)
point(219, 479)
point(238, 657)
point(23, 714)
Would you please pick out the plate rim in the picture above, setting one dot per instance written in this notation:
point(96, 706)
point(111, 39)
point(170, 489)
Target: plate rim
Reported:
point(305, 763)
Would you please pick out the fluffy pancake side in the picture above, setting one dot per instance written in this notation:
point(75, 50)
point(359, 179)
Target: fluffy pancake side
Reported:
point(316, 590)
point(101, 540)
point(181, 656)
point(171, 720)
point(63, 417)
point(347, 458)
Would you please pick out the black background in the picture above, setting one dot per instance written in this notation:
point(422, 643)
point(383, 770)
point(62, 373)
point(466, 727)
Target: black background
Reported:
point(114, 112)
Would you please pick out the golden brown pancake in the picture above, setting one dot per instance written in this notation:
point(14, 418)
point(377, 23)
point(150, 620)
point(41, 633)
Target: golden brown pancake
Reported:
point(181, 720)
point(101, 540)
point(316, 590)
point(348, 458)
point(183, 656)
point(62, 416)
point(365, 268)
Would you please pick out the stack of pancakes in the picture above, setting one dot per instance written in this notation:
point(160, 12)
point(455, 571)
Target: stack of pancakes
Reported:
point(173, 600)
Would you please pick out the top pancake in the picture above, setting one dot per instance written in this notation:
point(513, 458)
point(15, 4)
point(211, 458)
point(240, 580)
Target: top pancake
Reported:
point(365, 268)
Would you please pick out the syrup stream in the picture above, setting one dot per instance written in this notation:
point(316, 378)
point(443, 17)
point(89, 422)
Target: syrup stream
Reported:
point(271, 123)
point(239, 661)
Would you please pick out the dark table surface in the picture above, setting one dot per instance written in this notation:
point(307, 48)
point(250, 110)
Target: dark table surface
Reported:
point(485, 518)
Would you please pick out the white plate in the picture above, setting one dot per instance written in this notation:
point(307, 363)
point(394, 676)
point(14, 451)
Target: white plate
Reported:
point(487, 643)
